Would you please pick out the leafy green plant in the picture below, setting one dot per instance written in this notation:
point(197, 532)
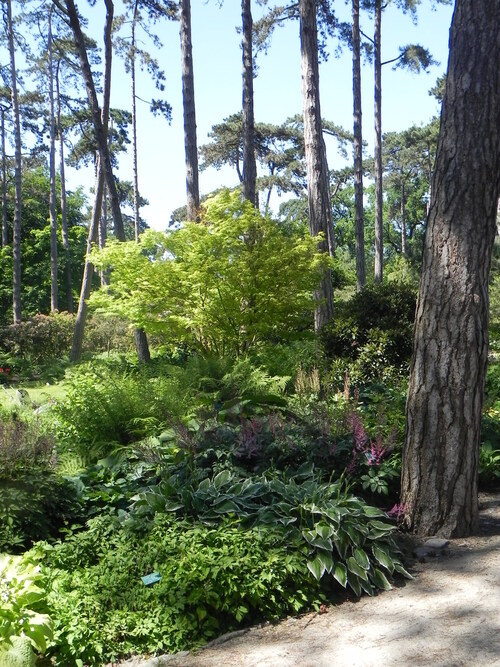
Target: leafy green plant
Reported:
point(223, 286)
point(210, 580)
point(329, 523)
point(489, 465)
point(22, 611)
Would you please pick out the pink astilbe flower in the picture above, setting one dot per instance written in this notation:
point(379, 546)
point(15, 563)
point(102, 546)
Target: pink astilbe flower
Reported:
point(376, 451)
point(358, 431)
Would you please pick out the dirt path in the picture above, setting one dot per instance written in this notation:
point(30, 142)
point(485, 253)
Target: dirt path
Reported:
point(448, 616)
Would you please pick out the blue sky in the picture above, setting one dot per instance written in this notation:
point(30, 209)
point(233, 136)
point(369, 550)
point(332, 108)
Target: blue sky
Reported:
point(217, 62)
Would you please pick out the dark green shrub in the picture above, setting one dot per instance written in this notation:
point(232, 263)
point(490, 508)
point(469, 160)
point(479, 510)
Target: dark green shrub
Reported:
point(380, 315)
point(39, 339)
point(35, 503)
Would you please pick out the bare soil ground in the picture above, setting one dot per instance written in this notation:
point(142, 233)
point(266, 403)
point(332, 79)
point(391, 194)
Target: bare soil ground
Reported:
point(447, 616)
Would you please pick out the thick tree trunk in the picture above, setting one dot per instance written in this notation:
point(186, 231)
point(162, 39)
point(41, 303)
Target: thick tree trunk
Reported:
point(54, 286)
point(16, 241)
point(249, 162)
point(440, 458)
point(318, 181)
point(190, 142)
point(379, 224)
point(64, 207)
point(359, 224)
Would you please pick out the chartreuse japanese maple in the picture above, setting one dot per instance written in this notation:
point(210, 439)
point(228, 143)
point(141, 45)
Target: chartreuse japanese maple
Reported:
point(223, 285)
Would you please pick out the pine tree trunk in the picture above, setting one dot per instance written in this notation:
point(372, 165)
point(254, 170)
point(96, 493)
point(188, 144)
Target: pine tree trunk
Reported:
point(99, 123)
point(379, 224)
point(16, 242)
point(440, 458)
point(134, 129)
point(403, 220)
point(318, 181)
point(359, 224)
point(5, 227)
point(54, 287)
point(190, 141)
point(249, 163)
point(88, 271)
point(64, 207)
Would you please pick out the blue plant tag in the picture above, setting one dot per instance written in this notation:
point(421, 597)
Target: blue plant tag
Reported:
point(150, 579)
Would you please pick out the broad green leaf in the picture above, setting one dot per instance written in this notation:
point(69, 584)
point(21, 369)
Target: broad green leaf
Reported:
point(316, 568)
point(361, 558)
point(326, 559)
point(399, 568)
point(324, 530)
point(380, 580)
point(383, 557)
point(373, 512)
point(353, 582)
point(222, 478)
point(353, 567)
point(340, 574)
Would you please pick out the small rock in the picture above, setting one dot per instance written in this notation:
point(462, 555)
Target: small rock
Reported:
point(436, 543)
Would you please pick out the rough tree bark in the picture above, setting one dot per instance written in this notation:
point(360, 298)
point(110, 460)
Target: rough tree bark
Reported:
point(358, 150)
point(249, 162)
point(440, 458)
point(190, 141)
point(379, 225)
point(318, 182)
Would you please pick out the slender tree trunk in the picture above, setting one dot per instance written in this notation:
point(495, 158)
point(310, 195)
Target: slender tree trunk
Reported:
point(403, 220)
point(16, 242)
point(249, 163)
point(54, 287)
point(318, 181)
point(190, 141)
point(134, 128)
point(64, 207)
point(379, 224)
point(88, 271)
point(440, 457)
point(5, 228)
point(99, 123)
point(359, 223)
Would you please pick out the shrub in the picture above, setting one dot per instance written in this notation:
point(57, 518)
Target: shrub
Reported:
point(35, 503)
point(39, 339)
point(111, 405)
point(378, 320)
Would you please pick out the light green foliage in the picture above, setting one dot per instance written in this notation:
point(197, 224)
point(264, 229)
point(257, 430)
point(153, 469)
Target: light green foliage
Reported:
point(23, 624)
point(225, 284)
point(212, 579)
point(18, 654)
